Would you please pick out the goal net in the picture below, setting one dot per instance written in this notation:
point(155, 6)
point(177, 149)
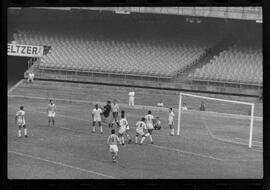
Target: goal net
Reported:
point(222, 120)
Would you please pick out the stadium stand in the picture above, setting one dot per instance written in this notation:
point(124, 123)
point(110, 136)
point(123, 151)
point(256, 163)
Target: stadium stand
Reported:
point(131, 54)
point(242, 63)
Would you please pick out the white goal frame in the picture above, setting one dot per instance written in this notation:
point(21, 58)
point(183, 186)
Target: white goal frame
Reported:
point(221, 100)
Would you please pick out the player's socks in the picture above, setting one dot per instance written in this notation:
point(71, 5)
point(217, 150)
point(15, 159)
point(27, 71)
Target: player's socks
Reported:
point(20, 133)
point(143, 138)
point(25, 132)
point(136, 139)
point(172, 132)
point(101, 129)
point(93, 129)
point(151, 139)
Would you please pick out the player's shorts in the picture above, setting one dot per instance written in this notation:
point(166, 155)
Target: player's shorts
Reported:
point(106, 114)
point(51, 114)
point(113, 148)
point(140, 132)
point(21, 123)
point(171, 122)
point(115, 115)
point(121, 131)
point(97, 119)
point(149, 126)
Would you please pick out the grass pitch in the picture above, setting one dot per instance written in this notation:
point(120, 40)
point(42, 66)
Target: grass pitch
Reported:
point(209, 146)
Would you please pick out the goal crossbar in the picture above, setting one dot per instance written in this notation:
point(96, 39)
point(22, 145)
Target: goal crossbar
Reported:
point(217, 99)
point(221, 100)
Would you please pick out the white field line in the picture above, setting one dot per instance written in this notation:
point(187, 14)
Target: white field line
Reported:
point(157, 146)
point(15, 86)
point(201, 155)
point(225, 115)
point(252, 140)
point(60, 164)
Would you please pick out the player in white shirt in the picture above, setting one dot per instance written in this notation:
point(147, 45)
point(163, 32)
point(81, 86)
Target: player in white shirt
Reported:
point(149, 124)
point(51, 113)
point(123, 128)
point(96, 116)
point(127, 128)
point(131, 95)
point(115, 110)
point(171, 122)
point(112, 142)
point(20, 121)
point(141, 130)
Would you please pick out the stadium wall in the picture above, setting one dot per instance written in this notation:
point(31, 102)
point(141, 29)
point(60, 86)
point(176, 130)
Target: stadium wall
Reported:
point(91, 78)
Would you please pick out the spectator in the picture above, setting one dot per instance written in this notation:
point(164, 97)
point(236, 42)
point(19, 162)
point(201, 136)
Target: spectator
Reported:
point(31, 76)
point(184, 107)
point(160, 103)
point(131, 95)
point(202, 107)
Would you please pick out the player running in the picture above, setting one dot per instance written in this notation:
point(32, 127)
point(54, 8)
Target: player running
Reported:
point(149, 124)
point(140, 130)
point(122, 130)
point(171, 122)
point(51, 113)
point(96, 116)
point(115, 109)
point(20, 121)
point(112, 142)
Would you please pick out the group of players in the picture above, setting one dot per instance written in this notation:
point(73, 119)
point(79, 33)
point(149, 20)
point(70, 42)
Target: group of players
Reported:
point(144, 127)
point(20, 118)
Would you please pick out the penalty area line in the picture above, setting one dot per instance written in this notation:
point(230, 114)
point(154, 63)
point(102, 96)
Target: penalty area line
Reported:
point(60, 164)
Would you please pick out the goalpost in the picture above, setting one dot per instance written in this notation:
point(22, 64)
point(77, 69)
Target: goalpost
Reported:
point(181, 95)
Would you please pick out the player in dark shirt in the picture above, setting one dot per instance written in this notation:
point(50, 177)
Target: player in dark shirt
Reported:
point(106, 113)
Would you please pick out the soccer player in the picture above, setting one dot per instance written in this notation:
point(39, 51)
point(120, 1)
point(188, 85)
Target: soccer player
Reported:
point(20, 121)
point(149, 124)
point(171, 122)
point(106, 113)
point(51, 113)
point(115, 109)
point(123, 127)
point(140, 129)
point(96, 116)
point(157, 124)
point(112, 142)
point(127, 128)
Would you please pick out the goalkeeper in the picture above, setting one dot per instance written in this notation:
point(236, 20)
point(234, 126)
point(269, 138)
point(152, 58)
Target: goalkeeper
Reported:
point(157, 123)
